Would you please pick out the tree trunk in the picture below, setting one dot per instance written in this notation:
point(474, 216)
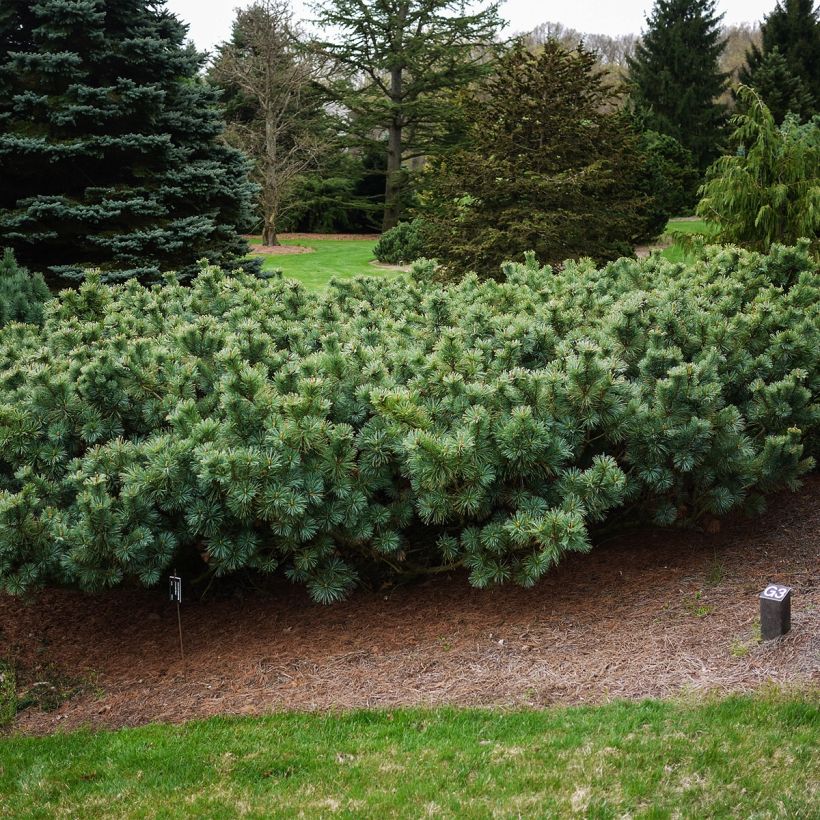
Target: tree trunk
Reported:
point(394, 181)
point(270, 193)
point(393, 184)
point(269, 233)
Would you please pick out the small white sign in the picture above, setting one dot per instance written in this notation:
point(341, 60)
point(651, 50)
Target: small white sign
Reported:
point(175, 589)
point(775, 592)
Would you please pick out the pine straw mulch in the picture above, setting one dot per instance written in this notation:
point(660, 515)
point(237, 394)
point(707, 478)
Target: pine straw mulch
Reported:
point(372, 237)
point(284, 250)
point(280, 250)
point(652, 614)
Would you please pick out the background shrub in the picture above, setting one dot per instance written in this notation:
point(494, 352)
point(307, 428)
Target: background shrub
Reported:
point(398, 426)
point(400, 245)
point(672, 177)
point(22, 294)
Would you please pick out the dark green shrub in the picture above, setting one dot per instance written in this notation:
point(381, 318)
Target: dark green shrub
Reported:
point(672, 178)
point(399, 424)
point(22, 294)
point(400, 245)
point(548, 165)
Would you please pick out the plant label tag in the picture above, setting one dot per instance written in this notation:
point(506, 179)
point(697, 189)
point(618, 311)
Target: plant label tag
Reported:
point(175, 589)
point(775, 611)
point(775, 592)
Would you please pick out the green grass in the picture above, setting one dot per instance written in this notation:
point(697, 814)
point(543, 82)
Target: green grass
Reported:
point(741, 757)
point(677, 252)
point(340, 258)
point(687, 226)
point(345, 258)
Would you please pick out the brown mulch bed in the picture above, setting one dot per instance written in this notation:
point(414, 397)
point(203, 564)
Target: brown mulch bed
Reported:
point(373, 237)
point(388, 266)
point(652, 614)
point(643, 251)
point(280, 250)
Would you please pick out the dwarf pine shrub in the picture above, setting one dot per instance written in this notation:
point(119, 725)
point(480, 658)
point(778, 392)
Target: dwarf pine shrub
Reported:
point(399, 424)
point(22, 294)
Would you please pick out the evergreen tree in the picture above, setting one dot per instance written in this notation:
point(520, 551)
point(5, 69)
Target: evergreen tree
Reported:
point(110, 145)
point(768, 189)
point(672, 179)
point(403, 58)
point(549, 166)
point(780, 90)
point(675, 75)
point(793, 29)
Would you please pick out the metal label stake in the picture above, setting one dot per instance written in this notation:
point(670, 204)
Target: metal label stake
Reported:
point(175, 595)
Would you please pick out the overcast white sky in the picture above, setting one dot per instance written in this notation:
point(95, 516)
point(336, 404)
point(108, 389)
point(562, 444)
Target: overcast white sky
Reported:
point(210, 20)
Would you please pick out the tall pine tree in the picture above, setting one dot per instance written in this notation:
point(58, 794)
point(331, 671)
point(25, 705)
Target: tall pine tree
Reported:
point(110, 145)
point(675, 76)
point(402, 59)
point(780, 89)
point(785, 69)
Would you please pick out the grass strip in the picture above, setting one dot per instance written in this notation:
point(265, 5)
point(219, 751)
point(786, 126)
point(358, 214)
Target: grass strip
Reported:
point(738, 757)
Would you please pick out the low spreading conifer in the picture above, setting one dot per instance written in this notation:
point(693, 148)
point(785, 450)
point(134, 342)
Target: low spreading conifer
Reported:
point(400, 425)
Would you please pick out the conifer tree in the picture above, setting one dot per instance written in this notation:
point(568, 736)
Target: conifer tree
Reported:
point(402, 58)
point(549, 165)
point(110, 145)
point(782, 91)
point(675, 76)
point(768, 188)
point(792, 29)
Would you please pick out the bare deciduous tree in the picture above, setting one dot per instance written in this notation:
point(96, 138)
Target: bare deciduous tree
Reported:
point(272, 108)
point(611, 52)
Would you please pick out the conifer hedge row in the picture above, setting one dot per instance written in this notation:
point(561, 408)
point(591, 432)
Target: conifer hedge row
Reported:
point(399, 425)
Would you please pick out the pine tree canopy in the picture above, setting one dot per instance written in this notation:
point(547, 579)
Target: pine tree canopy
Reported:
point(792, 78)
point(110, 148)
point(675, 77)
point(781, 91)
point(398, 425)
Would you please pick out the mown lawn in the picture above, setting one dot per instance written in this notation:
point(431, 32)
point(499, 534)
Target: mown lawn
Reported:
point(677, 252)
point(741, 757)
point(345, 258)
point(340, 258)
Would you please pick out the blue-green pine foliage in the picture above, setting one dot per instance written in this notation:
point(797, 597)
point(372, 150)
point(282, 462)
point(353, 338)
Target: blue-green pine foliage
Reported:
point(400, 425)
point(22, 294)
point(110, 149)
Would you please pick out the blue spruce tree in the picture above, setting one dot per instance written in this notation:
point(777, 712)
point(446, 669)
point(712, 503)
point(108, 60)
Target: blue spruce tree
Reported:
point(110, 150)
